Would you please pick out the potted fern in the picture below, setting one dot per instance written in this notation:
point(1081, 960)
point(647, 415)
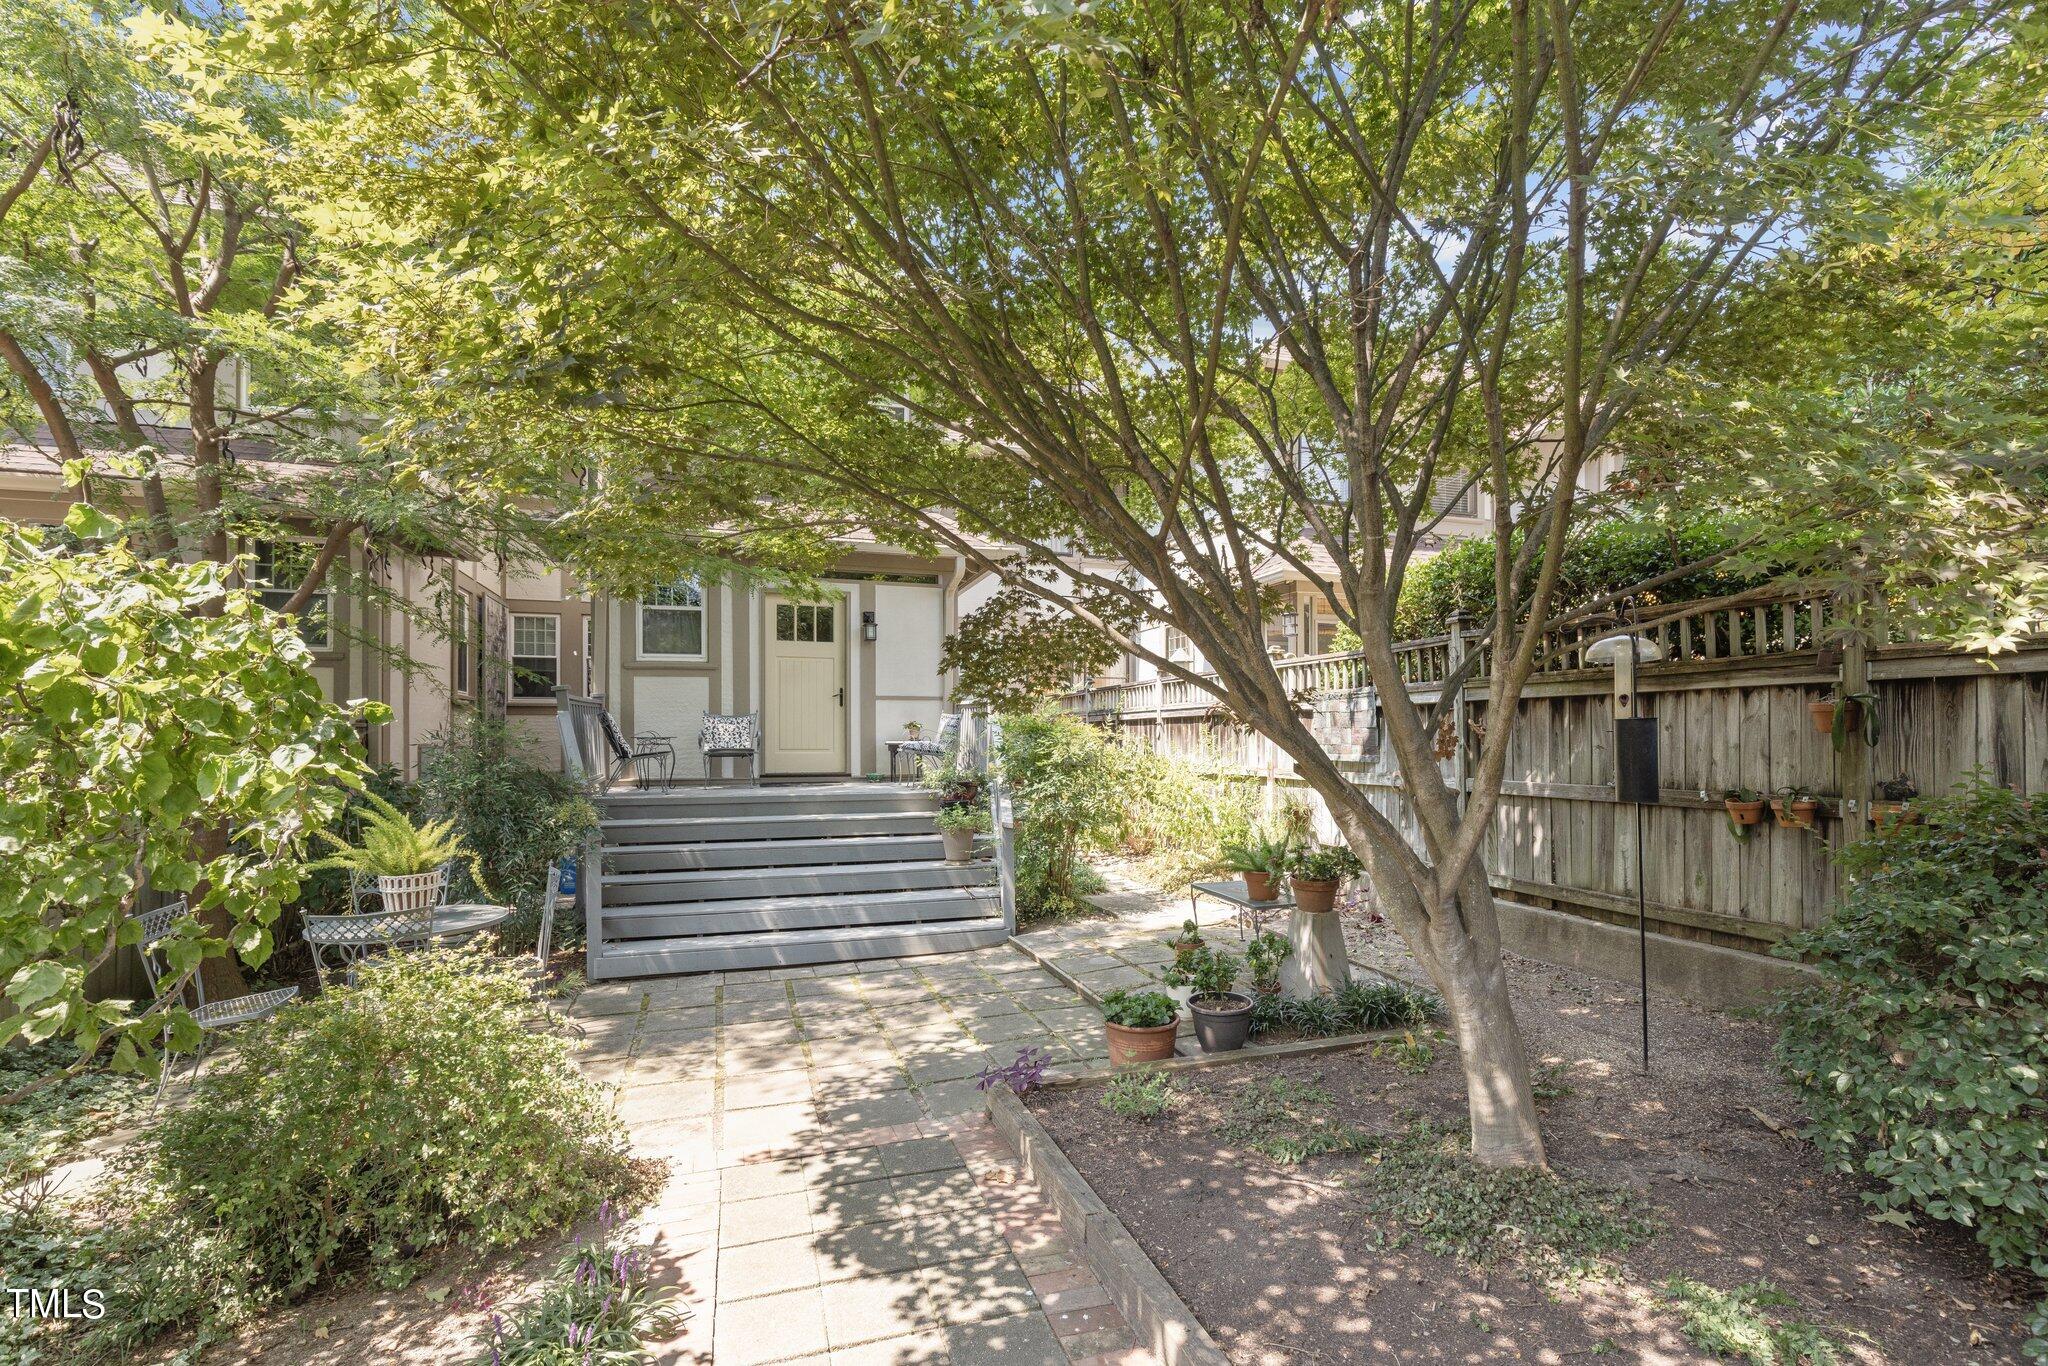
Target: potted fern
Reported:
point(408, 862)
point(1261, 862)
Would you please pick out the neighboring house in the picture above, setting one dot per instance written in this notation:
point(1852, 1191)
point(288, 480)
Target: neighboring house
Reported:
point(431, 633)
point(1306, 624)
point(435, 634)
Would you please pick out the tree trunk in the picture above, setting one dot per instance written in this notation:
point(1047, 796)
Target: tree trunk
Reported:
point(1456, 939)
point(221, 977)
point(1474, 983)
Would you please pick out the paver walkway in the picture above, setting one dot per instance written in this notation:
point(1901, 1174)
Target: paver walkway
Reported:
point(836, 1194)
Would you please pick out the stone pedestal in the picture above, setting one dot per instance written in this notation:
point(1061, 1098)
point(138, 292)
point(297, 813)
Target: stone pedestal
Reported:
point(1318, 963)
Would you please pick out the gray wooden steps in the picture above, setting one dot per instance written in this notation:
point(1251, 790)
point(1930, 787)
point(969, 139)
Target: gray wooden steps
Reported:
point(716, 878)
point(727, 884)
point(773, 826)
point(791, 800)
point(693, 919)
point(791, 948)
point(772, 853)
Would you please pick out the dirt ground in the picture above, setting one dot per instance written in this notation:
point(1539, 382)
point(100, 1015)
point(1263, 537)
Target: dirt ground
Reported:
point(1282, 1264)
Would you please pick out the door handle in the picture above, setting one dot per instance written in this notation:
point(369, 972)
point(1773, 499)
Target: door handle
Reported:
point(842, 697)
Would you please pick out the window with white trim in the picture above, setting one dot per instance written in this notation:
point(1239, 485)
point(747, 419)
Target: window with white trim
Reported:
point(276, 569)
point(463, 644)
point(536, 654)
point(672, 622)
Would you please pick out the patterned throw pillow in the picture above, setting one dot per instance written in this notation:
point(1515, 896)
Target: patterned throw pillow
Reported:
point(726, 732)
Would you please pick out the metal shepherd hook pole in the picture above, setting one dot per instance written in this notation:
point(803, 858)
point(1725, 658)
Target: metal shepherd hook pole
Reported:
point(1635, 778)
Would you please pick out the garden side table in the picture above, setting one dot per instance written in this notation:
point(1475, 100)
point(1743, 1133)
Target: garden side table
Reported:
point(462, 919)
point(1233, 894)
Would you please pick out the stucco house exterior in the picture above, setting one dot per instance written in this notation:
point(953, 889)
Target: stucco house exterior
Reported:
point(436, 632)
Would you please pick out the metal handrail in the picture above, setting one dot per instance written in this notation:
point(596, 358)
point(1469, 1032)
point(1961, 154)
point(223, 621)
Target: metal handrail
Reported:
point(981, 738)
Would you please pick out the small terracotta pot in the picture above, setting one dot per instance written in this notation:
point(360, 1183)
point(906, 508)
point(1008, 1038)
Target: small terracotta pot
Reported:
point(1259, 886)
point(1884, 814)
point(1315, 894)
point(1744, 813)
point(1794, 815)
point(1822, 715)
point(1128, 1045)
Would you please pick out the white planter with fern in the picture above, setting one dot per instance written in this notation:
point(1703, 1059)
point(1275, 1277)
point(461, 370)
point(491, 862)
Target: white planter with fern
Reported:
point(412, 891)
point(407, 861)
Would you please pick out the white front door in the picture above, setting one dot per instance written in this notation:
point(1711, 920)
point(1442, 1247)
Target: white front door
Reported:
point(804, 726)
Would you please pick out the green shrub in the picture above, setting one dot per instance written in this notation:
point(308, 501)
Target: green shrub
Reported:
point(1601, 557)
point(1064, 777)
point(1920, 1049)
point(514, 817)
point(1183, 813)
point(1355, 1008)
point(1733, 1323)
point(365, 1126)
point(599, 1308)
point(1139, 1095)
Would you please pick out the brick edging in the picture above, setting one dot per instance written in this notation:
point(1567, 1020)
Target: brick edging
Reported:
point(1154, 1309)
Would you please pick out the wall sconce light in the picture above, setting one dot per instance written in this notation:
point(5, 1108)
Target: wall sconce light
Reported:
point(867, 626)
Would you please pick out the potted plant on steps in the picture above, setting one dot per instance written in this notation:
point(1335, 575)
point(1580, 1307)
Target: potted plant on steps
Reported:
point(408, 862)
point(1140, 1026)
point(955, 785)
point(959, 826)
point(1223, 1018)
point(1316, 872)
point(1261, 863)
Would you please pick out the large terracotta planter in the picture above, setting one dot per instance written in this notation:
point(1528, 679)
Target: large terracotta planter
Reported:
point(1315, 894)
point(1128, 1045)
point(1259, 886)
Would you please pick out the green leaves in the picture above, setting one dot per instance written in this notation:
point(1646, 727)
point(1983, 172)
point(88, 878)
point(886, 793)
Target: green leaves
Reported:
point(1920, 1050)
point(148, 727)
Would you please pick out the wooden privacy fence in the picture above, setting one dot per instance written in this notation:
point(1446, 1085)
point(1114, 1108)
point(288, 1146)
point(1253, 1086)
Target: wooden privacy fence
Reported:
point(1730, 702)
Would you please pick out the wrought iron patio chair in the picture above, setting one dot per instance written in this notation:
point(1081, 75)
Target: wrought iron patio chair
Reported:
point(732, 737)
point(645, 753)
point(212, 1017)
point(923, 752)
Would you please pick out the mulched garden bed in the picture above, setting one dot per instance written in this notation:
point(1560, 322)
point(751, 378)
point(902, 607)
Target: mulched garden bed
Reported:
point(1288, 1262)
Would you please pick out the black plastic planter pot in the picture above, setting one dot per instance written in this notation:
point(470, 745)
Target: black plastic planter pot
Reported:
point(1222, 1023)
